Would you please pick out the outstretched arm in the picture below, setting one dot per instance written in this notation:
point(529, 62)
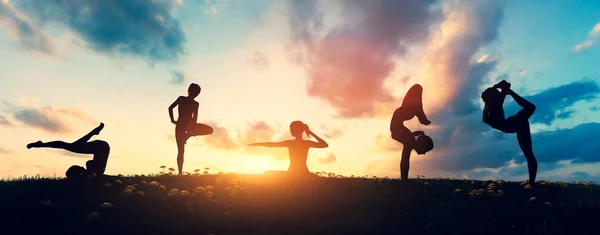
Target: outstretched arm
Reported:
point(270, 144)
point(320, 144)
point(171, 107)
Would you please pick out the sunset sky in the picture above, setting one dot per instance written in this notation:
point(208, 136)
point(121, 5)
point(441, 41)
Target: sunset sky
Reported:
point(341, 66)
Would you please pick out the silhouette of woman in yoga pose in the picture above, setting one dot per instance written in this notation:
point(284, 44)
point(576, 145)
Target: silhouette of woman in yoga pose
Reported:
point(298, 147)
point(100, 149)
point(493, 115)
point(186, 126)
point(412, 106)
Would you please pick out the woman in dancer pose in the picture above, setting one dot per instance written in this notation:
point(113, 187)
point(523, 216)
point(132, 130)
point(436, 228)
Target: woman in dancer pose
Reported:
point(493, 115)
point(186, 126)
point(412, 106)
point(298, 147)
point(99, 148)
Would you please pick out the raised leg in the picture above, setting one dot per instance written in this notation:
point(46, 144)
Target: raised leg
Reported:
point(528, 107)
point(524, 138)
point(87, 137)
point(72, 147)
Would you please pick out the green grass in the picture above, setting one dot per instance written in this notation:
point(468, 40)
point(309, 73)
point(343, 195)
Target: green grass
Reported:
point(327, 205)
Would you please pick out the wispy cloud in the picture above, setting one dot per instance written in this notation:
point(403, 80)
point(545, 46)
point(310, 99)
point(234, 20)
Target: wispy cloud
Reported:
point(593, 37)
point(52, 119)
point(330, 158)
point(583, 46)
point(178, 78)
point(596, 30)
point(4, 121)
point(5, 150)
point(259, 61)
point(20, 26)
point(140, 28)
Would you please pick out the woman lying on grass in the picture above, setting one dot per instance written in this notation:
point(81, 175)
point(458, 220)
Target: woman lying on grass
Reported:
point(298, 148)
point(99, 148)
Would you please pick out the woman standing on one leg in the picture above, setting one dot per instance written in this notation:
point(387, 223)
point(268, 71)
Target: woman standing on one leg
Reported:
point(100, 149)
point(412, 106)
point(186, 126)
point(493, 115)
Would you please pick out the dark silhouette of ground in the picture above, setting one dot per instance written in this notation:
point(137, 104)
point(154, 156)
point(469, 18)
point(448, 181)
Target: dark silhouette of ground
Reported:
point(99, 148)
point(493, 115)
point(298, 148)
point(412, 106)
point(186, 125)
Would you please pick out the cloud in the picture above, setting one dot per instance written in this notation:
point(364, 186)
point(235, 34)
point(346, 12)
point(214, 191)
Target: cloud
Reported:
point(212, 7)
point(385, 143)
point(4, 121)
point(583, 46)
point(348, 64)
point(259, 61)
point(554, 103)
point(5, 150)
point(178, 78)
point(220, 138)
point(330, 158)
point(596, 30)
point(51, 119)
point(141, 28)
point(20, 26)
point(332, 133)
point(451, 82)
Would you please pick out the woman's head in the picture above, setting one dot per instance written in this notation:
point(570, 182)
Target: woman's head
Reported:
point(76, 173)
point(194, 90)
point(491, 96)
point(297, 128)
point(424, 144)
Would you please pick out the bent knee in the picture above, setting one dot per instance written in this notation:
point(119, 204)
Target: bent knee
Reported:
point(532, 108)
point(104, 145)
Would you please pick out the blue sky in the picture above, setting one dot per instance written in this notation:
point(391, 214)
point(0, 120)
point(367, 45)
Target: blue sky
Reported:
point(340, 66)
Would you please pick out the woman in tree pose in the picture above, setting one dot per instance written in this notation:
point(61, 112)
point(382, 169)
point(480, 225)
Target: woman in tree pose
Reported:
point(186, 126)
point(298, 147)
point(99, 148)
point(412, 106)
point(493, 115)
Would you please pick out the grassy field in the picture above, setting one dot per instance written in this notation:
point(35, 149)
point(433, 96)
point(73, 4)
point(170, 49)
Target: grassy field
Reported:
point(255, 204)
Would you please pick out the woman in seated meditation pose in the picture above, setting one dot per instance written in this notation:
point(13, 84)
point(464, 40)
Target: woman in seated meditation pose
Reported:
point(412, 106)
point(493, 115)
point(298, 148)
point(99, 148)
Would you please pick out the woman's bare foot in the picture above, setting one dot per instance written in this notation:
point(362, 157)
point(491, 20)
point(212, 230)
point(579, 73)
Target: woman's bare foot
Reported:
point(97, 130)
point(35, 144)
